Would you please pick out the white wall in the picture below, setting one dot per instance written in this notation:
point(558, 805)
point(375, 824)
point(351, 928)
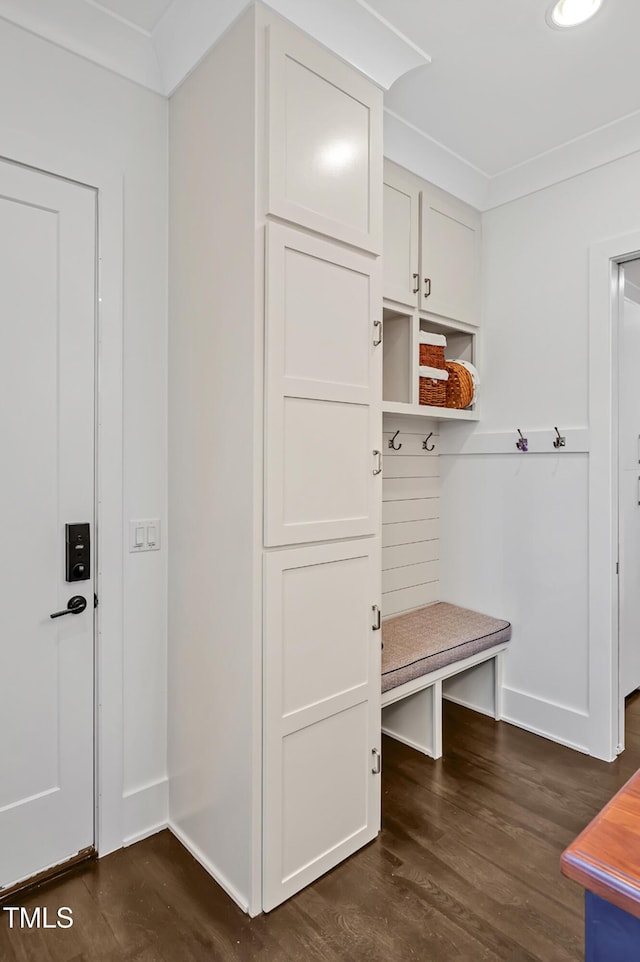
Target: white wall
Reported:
point(70, 107)
point(518, 524)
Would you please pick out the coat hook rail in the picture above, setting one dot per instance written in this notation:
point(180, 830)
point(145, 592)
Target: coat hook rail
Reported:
point(559, 441)
point(392, 442)
point(522, 443)
point(425, 443)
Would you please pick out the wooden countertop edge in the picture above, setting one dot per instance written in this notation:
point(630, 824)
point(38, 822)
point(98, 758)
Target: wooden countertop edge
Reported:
point(602, 880)
point(600, 877)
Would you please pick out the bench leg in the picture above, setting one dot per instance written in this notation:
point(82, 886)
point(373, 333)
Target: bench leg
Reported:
point(497, 686)
point(436, 720)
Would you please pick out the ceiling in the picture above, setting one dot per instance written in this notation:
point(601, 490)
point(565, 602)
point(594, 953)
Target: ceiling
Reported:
point(502, 86)
point(482, 97)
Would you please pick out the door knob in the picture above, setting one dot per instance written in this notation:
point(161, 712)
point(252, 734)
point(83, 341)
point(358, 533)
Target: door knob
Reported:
point(75, 605)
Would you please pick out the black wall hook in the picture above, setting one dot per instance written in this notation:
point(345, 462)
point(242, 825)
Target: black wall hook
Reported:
point(559, 441)
point(522, 443)
point(425, 443)
point(392, 444)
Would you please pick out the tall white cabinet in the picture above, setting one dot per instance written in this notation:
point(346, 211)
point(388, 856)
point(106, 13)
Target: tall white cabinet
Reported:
point(275, 460)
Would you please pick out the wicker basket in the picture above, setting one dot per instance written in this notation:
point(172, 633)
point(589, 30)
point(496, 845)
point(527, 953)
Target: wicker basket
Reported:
point(459, 387)
point(432, 386)
point(432, 349)
point(431, 355)
point(433, 392)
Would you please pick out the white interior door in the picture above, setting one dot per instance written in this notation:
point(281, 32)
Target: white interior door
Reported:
point(47, 312)
point(629, 480)
point(323, 424)
point(321, 711)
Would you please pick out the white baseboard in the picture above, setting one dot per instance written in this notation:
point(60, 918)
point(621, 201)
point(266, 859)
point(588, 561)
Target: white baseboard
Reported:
point(145, 810)
point(556, 722)
point(199, 856)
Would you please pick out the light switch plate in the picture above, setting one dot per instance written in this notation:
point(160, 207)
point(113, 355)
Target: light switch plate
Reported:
point(144, 535)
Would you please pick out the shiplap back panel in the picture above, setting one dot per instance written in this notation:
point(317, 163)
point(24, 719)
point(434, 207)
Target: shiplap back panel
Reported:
point(410, 516)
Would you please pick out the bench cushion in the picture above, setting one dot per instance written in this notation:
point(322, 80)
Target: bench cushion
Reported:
point(430, 638)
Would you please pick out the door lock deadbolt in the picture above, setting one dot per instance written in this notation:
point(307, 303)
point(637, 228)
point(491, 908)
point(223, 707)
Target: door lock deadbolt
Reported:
point(78, 552)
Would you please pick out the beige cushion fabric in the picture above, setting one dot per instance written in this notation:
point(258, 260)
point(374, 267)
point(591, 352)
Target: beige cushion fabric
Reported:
point(430, 638)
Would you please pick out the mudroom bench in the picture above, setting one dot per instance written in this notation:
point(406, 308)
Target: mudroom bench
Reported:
point(423, 648)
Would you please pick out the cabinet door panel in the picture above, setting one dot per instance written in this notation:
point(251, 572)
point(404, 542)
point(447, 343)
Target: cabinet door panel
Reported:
point(322, 391)
point(329, 348)
point(321, 711)
point(323, 803)
point(400, 260)
point(325, 141)
point(450, 258)
point(316, 665)
point(319, 486)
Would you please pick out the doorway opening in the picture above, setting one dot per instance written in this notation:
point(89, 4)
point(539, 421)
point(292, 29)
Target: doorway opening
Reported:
point(627, 363)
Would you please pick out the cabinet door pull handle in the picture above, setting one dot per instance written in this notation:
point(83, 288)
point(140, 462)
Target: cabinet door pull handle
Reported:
point(378, 456)
point(427, 286)
point(377, 335)
point(377, 623)
point(416, 281)
point(376, 767)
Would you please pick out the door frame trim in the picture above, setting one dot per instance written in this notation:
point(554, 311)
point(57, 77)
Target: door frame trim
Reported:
point(605, 737)
point(53, 158)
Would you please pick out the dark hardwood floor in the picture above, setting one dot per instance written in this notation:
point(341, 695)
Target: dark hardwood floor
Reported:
point(467, 869)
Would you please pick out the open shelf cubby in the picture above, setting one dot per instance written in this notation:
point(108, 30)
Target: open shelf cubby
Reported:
point(397, 380)
point(401, 362)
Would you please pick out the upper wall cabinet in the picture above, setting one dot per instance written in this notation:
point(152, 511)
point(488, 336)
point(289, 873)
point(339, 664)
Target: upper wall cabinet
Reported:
point(324, 142)
point(442, 277)
point(449, 257)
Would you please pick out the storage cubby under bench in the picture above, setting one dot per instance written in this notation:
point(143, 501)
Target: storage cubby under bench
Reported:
point(423, 648)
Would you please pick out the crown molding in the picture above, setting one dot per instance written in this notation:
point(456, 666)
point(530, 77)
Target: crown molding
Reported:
point(349, 28)
point(190, 28)
point(595, 149)
point(92, 33)
point(412, 148)
point(357, 34)
point(186, 33)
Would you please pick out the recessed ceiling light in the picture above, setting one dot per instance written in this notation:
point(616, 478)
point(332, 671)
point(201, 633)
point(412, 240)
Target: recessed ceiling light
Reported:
point(569, 13)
